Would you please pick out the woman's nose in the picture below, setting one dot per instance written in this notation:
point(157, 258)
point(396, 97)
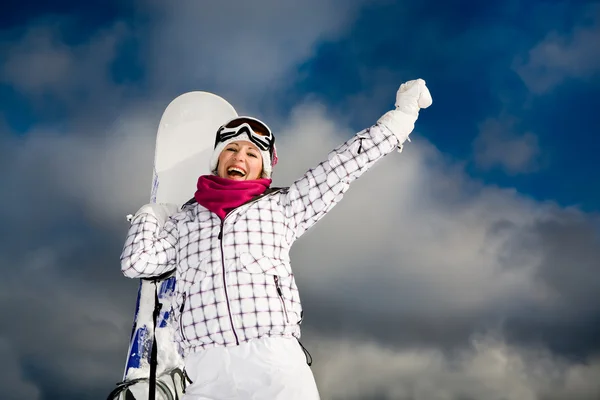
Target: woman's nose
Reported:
point(238, 156)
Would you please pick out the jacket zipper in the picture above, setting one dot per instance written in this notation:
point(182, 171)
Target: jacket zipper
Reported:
point(280, 293)
point(181, 316)
point(237, 341)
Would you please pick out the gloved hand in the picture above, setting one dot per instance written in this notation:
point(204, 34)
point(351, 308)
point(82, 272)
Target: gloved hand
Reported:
point(410, 98)
point(161, 212)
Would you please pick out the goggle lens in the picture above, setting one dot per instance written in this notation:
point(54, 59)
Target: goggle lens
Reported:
point(258, 132)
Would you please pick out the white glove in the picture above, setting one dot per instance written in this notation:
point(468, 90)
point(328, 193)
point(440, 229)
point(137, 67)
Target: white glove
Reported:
point(410, 98)
point(161, 212)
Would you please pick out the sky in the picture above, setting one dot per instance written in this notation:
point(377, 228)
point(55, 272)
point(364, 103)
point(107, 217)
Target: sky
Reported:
point(464, 268)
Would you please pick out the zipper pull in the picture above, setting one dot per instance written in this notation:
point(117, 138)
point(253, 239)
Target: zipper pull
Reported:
point(276, 279)
point(183, 302)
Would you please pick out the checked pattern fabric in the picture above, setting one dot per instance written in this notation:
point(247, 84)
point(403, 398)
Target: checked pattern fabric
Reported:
point(234, 277)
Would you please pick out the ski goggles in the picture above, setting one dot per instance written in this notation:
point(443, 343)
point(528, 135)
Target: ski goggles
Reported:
point(258, 132)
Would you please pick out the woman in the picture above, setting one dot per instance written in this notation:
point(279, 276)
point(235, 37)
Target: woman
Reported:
point(237, 304)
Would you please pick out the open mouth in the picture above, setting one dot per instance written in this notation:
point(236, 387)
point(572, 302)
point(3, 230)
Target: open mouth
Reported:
point(234, 172)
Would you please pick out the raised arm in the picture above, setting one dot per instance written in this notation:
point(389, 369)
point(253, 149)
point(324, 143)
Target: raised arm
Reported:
point(321, 188)
point(150, 247)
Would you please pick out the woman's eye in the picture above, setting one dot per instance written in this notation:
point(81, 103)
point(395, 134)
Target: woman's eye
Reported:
point(230, 149)
point(253, 155)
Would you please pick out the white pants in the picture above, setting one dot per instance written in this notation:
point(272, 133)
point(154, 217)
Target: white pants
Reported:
point(262, 369)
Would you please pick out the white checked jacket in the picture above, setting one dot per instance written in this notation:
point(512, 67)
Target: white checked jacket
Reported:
point(234, 278)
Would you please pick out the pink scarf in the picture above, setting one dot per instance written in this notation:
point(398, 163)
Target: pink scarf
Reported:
point(221, 195)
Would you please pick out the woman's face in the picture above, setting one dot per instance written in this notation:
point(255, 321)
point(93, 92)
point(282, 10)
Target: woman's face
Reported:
point(240, 161)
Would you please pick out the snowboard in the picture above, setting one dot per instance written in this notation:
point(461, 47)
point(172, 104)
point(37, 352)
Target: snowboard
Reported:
point(184, 145)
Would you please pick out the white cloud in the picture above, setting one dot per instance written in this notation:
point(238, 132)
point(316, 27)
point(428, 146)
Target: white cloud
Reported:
point(414, 230)
point(558, 57)
point(499, 146)
point(40, 63)
point(246, 49)
point(106, 170)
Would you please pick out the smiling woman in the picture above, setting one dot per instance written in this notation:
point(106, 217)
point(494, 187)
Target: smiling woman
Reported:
point(237, 304)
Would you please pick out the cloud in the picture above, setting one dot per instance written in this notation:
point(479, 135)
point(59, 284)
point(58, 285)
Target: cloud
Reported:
point(571, 243)
point(415, 262)
point(41, 64)
point(562, 56)
point(488, 368)
point(245, 49)
point(38, 62)
point(13, 378)
point(67, 336)
point(419, 254)
point(67, 309)
point(498, 145)
point(102, 173)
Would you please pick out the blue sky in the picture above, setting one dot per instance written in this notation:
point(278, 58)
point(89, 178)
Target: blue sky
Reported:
point(485, 228)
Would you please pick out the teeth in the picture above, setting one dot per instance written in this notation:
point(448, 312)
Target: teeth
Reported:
point(236, 170)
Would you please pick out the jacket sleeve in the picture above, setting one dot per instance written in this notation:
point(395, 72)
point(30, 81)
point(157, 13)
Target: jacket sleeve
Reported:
point(321, 188)
point(149, 251)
